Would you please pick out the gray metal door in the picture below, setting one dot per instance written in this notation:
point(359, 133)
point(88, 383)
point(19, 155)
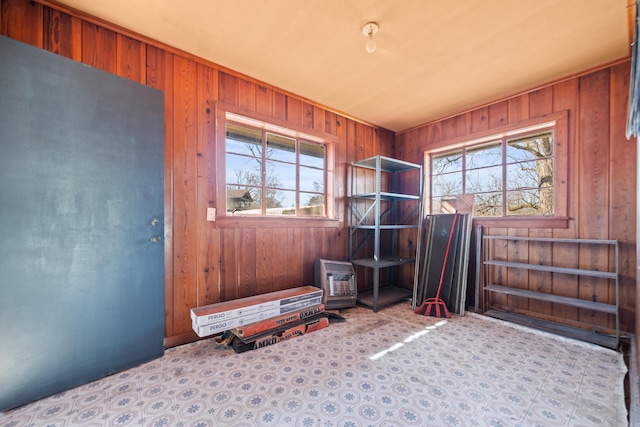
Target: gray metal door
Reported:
point(81, 224)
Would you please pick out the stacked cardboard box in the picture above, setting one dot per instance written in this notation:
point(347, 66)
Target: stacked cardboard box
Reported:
point(216, 318)
point(272, 331)
point(261, 320)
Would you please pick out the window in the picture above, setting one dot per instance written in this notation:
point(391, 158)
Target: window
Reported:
point(272, 171)
point(512, 175)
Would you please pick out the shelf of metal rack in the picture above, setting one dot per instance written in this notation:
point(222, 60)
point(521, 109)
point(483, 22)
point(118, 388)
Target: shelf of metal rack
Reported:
point(373, 213)
point(505, 289)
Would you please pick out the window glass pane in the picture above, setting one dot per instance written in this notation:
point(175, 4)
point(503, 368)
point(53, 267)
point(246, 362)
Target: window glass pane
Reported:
point(281, 148)
point(446, 185)
point(530, 174)
point(481, 157)
point(311, 154)
point(281, 175)
point(530, 202)
point(311, 179)
point(530, 148)
point(311, 204)
point(243, 170)
point(243, 140)
point(280, 202)
point(484, 180)
point(444, 163)
point(243, 199)
point(272, 174)
point(487, 204)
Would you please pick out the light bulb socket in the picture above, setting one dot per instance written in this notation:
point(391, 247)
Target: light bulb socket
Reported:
point(369, 30)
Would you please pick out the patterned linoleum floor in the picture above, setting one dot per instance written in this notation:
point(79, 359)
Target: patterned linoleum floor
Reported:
point(391, 368)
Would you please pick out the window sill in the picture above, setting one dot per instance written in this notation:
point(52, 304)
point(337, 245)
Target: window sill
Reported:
point(275, 222)
point(523, 222)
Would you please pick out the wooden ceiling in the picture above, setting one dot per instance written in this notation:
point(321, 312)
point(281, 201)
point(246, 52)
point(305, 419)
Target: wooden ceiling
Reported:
point(433, 58)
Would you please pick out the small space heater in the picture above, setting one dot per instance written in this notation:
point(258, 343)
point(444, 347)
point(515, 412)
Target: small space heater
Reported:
point(338, 281)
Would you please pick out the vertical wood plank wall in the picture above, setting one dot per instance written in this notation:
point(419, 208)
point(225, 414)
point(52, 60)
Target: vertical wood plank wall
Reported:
point(601, 191)
point(207, 263)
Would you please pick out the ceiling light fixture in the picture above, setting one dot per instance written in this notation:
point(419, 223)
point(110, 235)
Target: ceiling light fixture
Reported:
point(369, 30)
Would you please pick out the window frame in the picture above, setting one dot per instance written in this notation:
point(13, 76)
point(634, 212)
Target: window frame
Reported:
point(558, 122)
point(237, 115)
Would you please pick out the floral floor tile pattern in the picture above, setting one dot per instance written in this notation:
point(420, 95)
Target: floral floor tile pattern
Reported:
point(391, 368)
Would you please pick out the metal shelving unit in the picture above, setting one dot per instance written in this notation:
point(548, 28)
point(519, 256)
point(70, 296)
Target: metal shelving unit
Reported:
point(376, 213)
point(612, 274)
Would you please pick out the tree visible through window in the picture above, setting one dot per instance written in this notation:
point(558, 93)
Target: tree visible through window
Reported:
point(508, 176)
point(272, 174)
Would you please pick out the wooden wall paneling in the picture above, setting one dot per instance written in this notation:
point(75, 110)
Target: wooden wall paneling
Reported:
point(295, 246)
point(434, 134)
point(499, 249)
point(330, 122)
point(99, 47)
point(518, 251)
point(623, 200)
point(319, 120)
point(264, 100)
point(160, 76)
point(480, 119)
point(336, 242)
point(386, 141)
point(518, 108)
point(536, 104)
point(448, 128)
point(339, 241)
point(229, 264)
point(463, 124)
point(355, 143)
point(540, 102)
point(565, 98)
point(22, 20)
point(266, 260)
point(593, 215)
point(184, 186)
point(370, 143)
point(130, 58)
point(228, 88)
point(498, 114)
point(247, 95)
point(294, 111)
point(279, 258)
point(208, 233)
point(280, 106)
point(354, 150)
point(246, 255)
point(62, 34)
point(311, 249)
point(402, 148)
point(408, 147)
point(540, 281)
point(307, 115)
point(370, 147)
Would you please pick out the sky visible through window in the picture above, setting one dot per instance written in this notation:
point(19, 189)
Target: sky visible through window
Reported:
point(508, 176)
point(275, 167)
